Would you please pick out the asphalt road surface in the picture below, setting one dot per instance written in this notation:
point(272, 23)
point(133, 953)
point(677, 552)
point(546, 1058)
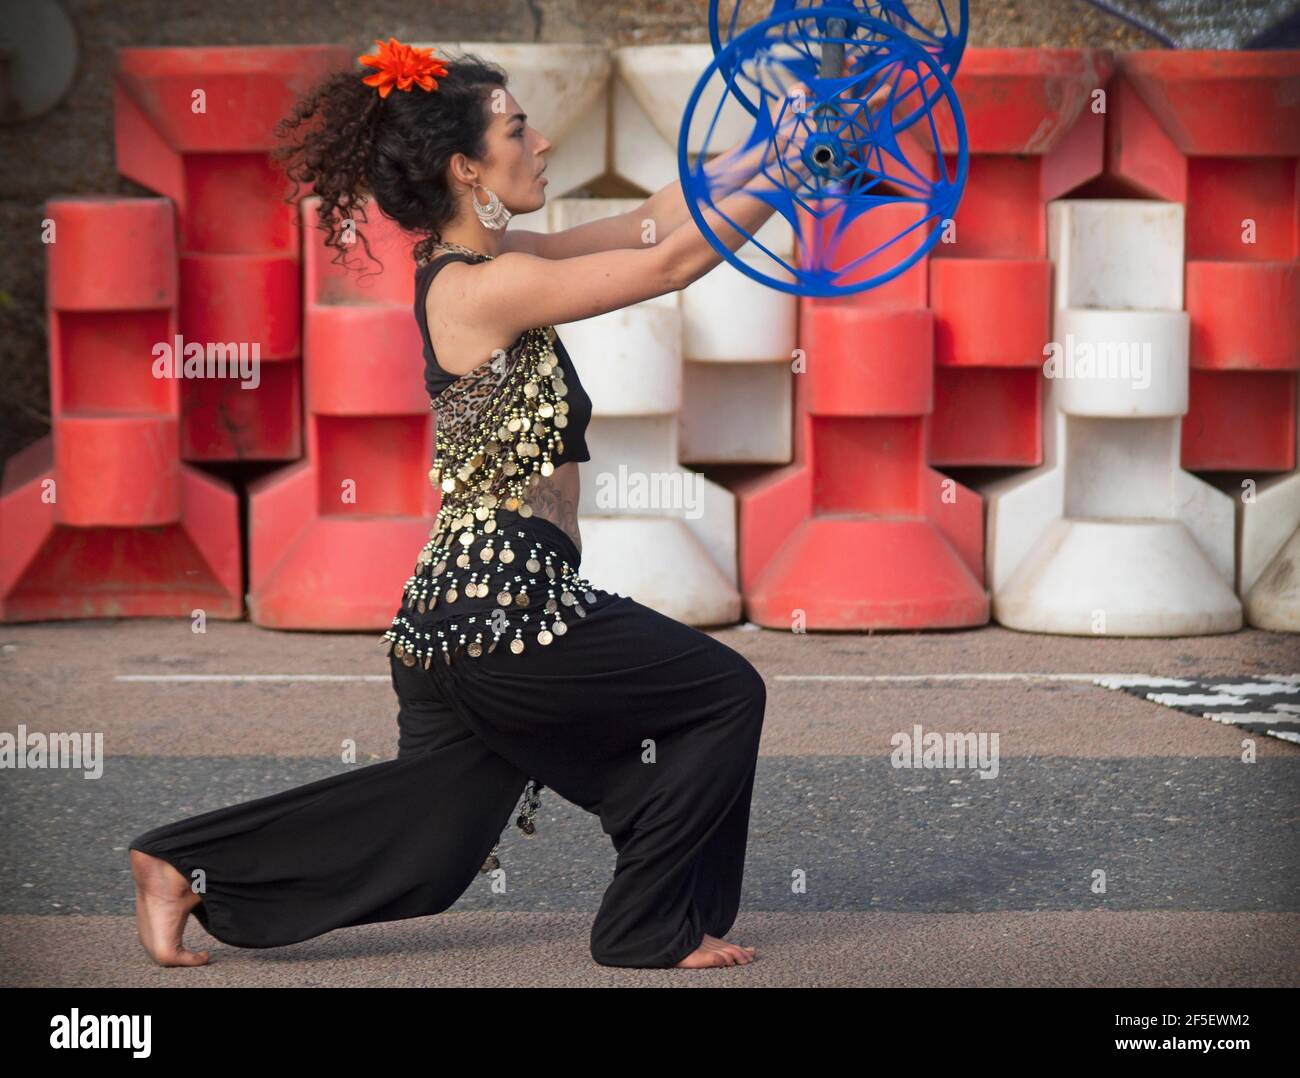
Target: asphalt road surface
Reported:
point(1120, 843)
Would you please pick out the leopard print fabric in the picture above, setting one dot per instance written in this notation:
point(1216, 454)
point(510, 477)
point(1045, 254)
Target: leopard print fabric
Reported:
point(457, 408)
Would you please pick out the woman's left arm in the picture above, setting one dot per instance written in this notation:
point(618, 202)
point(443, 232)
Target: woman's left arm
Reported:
point(644, 226)
point(666, 209)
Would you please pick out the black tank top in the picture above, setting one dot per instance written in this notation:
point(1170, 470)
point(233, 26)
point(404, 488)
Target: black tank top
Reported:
point(436, 379)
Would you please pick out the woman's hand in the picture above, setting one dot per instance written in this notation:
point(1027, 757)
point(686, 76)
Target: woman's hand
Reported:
point(792, 125)
point(798, 117)
point(795, 121)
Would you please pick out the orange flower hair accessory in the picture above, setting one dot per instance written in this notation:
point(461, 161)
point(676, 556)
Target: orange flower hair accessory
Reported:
point(402, 66)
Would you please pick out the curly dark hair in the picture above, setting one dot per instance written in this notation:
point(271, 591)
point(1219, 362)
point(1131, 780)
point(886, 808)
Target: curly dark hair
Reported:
point(393, 149)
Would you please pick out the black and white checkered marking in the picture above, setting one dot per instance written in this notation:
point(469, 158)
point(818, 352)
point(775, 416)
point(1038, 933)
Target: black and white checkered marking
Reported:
point(1264, 704)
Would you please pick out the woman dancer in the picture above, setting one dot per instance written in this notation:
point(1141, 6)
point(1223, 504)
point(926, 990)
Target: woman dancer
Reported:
point(508, 665)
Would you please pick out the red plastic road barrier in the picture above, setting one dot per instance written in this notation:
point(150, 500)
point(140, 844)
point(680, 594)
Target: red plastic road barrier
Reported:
point(1220, 132)
point(1035, 132)
point(100, 518)
point(196, 125)
point(333, 538)
point(859, 532)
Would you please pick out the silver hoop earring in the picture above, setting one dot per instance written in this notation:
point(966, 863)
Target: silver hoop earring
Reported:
point(492, 214)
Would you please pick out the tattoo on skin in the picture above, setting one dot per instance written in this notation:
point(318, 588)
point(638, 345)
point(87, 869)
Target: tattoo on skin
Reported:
point(555, 498)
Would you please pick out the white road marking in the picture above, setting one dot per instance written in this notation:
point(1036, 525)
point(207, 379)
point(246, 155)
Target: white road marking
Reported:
point(1193, 699)
point(173, 678)
point(1120, 681)
point(1232, 717)
point(1143, 679)
point(1253, 688)
point(951, 677)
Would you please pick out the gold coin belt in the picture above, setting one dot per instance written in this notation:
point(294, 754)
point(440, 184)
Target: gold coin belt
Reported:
point(536, 599)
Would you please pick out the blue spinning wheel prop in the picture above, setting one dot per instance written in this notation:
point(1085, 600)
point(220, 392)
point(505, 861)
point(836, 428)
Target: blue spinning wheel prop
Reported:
point(945, 40)
point(829, 85)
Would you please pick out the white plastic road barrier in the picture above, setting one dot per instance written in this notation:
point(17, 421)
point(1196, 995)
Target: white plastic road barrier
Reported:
point(1109, 536)
point(564, 89)
point(651, 529)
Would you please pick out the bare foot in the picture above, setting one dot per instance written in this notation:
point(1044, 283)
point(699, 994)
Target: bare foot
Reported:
point(715, 952)
point(163, 901)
